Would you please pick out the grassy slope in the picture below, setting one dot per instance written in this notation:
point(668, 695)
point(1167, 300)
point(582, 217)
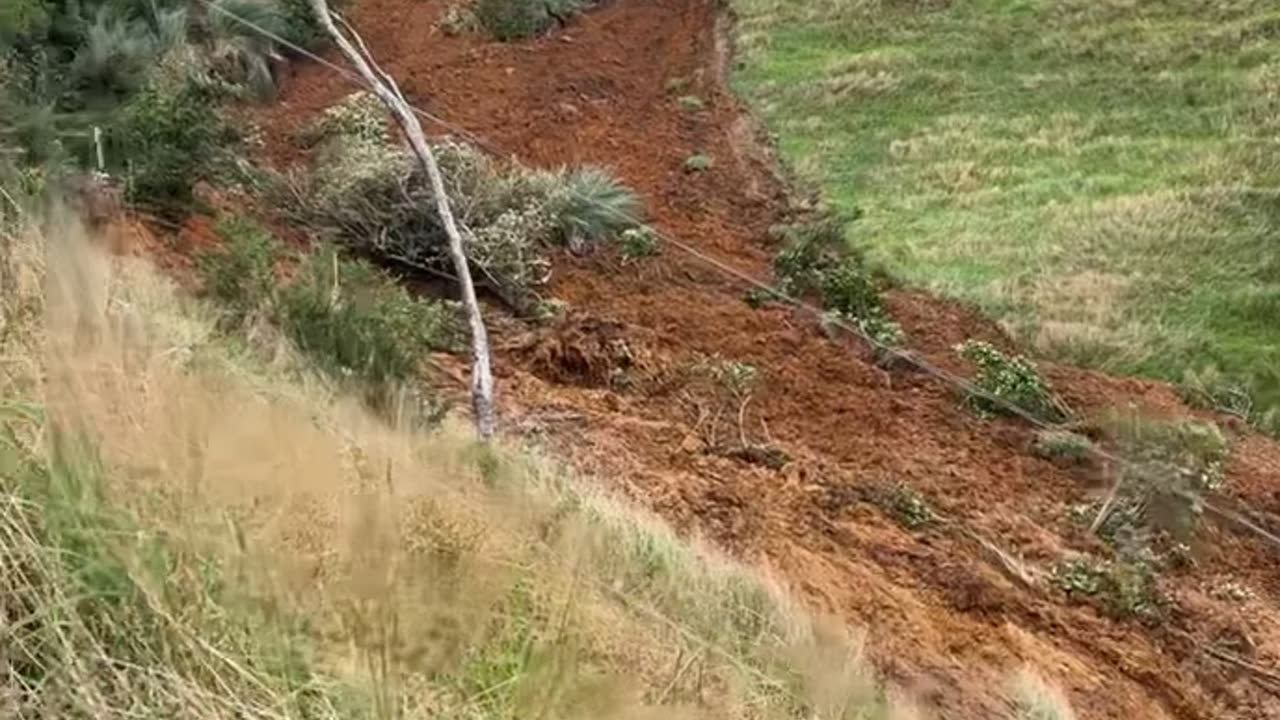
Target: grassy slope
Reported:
point(188, 530)
point(1101, 175)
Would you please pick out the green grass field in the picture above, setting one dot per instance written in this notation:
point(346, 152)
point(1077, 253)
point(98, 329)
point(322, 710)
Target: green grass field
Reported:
point(1100, 175)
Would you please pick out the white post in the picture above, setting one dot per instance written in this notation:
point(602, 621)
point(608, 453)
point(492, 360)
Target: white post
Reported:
point(97, 144)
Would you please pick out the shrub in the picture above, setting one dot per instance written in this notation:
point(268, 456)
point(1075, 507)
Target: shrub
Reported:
point(366, 192)
point(638, 242)
point(1125, 589)
point(1062, 444)
point(299, 22)
point(809, 249)
point(508, 20)
point(698, 163)
point(459, 18)
point(171, 139)
point(1175, 462)
point(906, 507)
point(1011, 379)
point(848, 288)
point(814, 257)
point(116, 54)
point(240, 275)
point(357, 322)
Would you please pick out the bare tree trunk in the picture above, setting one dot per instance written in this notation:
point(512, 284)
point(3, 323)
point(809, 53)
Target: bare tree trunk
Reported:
point(384, 86)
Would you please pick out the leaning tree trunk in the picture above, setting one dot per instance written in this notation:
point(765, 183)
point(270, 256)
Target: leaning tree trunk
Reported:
point(384, 86)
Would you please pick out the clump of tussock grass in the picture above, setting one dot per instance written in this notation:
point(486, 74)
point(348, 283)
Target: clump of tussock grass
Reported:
point(248, 543)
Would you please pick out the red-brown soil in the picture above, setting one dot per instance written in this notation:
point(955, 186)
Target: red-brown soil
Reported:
point(944, 619)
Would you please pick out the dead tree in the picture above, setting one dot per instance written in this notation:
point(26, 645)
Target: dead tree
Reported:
point(385, 87)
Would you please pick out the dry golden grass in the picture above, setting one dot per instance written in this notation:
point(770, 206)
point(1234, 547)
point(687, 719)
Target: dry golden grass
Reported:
point(198, 531)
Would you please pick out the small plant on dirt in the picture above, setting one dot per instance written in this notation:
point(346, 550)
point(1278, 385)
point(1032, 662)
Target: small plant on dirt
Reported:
point(815, 258)
point(638, 242)
point(240, 274)
point(549, 309)
point(757, 298)
point(1126, 589)
point(1062, 445)
point(508, 20)
point(677, 85)
point(882, 331)
point(725, 390)
point(1009, 379)
point(691, 103)
point(906, 507)
point(358, 323)
point(698, 163)
point(460, 18)
point(809, 251)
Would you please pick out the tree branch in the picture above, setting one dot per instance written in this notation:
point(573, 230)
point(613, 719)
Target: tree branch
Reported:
point(384, 86)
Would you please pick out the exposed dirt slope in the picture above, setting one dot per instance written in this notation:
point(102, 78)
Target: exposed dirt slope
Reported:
point(944, 619)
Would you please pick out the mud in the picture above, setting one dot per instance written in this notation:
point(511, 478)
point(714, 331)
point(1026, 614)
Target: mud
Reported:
point(945, 618)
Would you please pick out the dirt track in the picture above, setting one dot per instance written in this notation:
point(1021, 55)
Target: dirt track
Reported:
point(944, 620)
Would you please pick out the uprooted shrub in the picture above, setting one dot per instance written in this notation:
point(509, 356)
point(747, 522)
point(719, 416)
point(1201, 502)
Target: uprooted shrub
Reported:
point(1124, 588)
point(368, 192)
point(1174, 463)
point(815, 258)
point(510, 20)
point(1006, 380)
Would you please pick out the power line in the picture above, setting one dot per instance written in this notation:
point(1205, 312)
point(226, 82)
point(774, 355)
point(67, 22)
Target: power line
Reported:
point(877, 345)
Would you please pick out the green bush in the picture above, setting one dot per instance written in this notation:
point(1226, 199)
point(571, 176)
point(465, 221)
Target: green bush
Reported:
point(240, 275)
point(1124, 589)
point(508, 20)
point(906, 507)
point(814, 258)
point(809, 249)
point(638, 242)
point(369, 193)
point(356, 322)
point(1063, 445)
point(170, 136)
point(1011, 379)
point(116, 54)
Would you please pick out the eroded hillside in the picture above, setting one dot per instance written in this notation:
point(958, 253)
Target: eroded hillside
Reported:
point(948, 606)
